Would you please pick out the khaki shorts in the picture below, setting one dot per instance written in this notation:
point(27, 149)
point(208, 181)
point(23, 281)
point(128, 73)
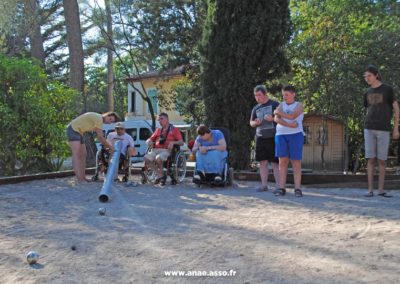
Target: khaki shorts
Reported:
point(376, 144)
point(158, 154)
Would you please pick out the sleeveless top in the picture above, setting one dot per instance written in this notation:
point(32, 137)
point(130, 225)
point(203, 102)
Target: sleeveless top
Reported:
point(289, 109)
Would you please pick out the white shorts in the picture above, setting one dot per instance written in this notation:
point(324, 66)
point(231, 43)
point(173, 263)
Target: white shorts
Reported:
point(376, 144)
point(158, 154)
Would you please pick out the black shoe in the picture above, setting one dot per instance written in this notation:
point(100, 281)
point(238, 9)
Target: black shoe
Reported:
point(173, 182)
point(279, 192)
point(217, 179)
point(196, 179)
point(163, 180)
point(298, 192)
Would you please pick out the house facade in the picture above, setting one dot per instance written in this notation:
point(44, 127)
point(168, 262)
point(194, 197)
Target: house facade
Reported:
point(154, 83)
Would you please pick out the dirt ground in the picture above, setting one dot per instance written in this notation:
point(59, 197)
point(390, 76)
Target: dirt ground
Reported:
point(328, 236)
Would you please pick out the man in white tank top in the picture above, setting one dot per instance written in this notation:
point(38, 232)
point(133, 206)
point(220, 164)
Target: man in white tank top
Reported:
point(289, 139)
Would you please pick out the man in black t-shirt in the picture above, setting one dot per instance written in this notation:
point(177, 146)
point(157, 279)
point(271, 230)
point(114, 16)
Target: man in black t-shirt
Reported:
point(262, 118)
point(380, 104)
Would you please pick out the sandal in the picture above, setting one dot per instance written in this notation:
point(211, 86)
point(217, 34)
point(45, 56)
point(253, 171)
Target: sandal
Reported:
point(279, 192)
point(384, 194)
point(298, 193)
point(369, 194)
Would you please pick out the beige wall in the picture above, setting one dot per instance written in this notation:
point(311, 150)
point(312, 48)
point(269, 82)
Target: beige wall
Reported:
point(160, 85)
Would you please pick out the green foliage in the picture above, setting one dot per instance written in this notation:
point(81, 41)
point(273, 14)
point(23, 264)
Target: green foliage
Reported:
point(333, 42)
point(188, 102)
point(34, 115)
point(96, 89)
point(167, 31)
point(242, 46)
point(7, 10)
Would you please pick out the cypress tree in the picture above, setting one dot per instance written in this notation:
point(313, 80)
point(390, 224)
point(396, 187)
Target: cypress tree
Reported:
point(242, 46)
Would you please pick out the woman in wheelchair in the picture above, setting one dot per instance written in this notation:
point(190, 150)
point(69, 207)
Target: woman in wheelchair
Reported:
point(210, 150)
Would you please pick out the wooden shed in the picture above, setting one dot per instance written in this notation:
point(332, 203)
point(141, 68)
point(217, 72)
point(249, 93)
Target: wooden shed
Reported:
point(324, 143)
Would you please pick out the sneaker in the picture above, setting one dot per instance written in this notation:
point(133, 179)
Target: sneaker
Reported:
point(298, 192)
point(196, 178)
point(217, 178)
point(163, 180)
point(201, 174)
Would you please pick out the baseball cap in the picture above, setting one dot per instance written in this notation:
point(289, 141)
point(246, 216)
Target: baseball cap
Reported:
point(119, 125)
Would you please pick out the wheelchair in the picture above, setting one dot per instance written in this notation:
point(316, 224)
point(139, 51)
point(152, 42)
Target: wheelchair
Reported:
point(174, 166)
point(226, 174)
point(102, 157)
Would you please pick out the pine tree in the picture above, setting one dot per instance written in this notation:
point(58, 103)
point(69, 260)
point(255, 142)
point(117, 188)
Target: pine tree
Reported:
point(242, 46)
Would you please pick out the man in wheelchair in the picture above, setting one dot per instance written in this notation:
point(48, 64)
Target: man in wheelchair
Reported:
point(127, 151)
point(161, 144)
point(210, 149)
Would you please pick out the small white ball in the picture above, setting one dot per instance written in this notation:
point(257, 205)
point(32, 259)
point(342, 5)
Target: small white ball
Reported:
point(102, 211)
point(32, 257)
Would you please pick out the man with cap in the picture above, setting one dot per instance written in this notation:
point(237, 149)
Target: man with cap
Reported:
point(127, 144)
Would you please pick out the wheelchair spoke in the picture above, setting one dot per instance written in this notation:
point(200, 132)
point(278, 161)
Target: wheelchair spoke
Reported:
point(180, 167)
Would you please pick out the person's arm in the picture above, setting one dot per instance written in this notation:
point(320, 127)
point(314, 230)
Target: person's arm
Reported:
point(395, 120)
point(196, 147)
point(298, 110)
point(153, 138)
point(254, 121)
point(131, 147)
point(178, 139)
point(220, 147)
point(109, 137)
point(173, 143)
point(280, 121)
point(103, 140)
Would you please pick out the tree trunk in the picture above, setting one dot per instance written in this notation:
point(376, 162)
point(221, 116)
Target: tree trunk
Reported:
point(74, 37)
point(33, 20)
point(77, 71)
point(110, 70)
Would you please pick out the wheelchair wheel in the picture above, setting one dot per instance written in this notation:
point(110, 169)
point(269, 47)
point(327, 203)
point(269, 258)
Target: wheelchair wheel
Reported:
point(180, 167)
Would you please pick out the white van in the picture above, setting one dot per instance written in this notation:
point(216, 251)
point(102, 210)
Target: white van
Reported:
point(140, 130)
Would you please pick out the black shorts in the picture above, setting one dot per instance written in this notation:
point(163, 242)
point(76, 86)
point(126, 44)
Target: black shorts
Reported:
point(265, 149)
point(73, 135)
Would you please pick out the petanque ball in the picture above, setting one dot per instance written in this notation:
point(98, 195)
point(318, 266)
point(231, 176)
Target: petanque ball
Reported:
point(32, 257)
point(102, 211)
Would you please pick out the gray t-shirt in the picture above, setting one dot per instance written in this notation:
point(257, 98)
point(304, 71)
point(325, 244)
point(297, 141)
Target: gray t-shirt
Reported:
point(267, 128)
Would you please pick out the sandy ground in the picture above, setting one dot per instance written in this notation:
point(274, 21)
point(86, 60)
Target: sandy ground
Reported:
point(328, 236)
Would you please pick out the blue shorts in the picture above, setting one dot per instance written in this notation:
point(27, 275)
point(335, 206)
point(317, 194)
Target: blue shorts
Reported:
point(289, 146)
